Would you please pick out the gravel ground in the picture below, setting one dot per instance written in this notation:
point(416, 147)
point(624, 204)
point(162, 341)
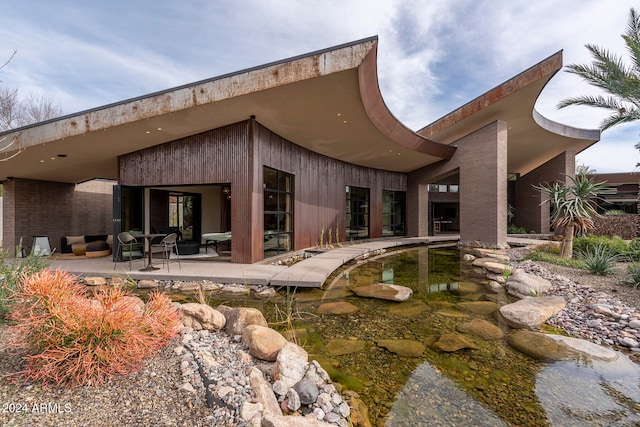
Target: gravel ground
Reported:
point(615, 284)
point(148, 397)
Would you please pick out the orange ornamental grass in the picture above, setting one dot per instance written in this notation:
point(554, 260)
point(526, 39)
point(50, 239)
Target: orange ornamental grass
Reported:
point(73, 336)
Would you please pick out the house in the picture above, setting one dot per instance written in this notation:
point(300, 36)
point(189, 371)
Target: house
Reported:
point(277, 153)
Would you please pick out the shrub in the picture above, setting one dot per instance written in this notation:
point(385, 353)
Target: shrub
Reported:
point(10, 274)
point(615, 212)
point(551, 254)
point(615, 245)
point(72, 336)
point(634, 272)
point(512, 229)
point(633, 250)
point(599, 259)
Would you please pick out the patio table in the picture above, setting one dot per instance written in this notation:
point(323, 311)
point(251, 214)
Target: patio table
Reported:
point(148, 237)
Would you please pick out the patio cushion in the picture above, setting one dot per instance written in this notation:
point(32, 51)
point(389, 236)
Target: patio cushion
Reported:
point(72, 240)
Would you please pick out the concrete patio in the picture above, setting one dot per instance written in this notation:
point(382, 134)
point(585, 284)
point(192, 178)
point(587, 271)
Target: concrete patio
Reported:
point(311, 272)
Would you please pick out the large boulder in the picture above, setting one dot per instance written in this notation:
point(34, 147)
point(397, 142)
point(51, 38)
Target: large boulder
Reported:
point(270, 420)
point(491, 264)
point(522, 284)
point(240, 317)
point(450, 343)
point(478, 307)
point(201, 316)
point(482, 329)
point(338, 307)
point(384, 291)
point(291, 364)
point(531, 312)
point(264, 343)
point(262, 392)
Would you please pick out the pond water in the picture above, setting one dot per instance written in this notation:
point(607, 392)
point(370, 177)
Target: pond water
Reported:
point(489, 385)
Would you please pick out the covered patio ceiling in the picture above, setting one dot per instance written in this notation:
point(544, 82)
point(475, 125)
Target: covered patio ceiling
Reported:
point(327, 101)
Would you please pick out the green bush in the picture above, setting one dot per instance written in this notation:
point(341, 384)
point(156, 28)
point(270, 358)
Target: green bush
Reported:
point(599, 259)
point(634, 273)
point(615, 212)
point(633, 250)
point(546, 253)
point(615, 245)
point(10, 275)
point(512, 229)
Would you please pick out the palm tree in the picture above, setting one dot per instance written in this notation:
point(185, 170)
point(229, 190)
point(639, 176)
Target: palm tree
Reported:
point(609, 73)
point(573, 207)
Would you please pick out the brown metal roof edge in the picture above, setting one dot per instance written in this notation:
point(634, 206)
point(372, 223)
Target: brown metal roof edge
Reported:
point(188, 85)
point(546, 68)
point(384, 120)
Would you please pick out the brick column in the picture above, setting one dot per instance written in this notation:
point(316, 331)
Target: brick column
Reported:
point(530, 212)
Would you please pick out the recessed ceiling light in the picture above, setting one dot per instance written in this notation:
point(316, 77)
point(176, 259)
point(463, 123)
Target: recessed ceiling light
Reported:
point(148, 131)
point(159, 128)
point(41, 161)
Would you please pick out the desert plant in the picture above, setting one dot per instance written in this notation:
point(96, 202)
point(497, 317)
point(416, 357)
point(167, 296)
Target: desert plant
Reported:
point(512, 229)
point(599, 259)
point(634, 273)
point(615, 212)
point(71, 336)
point(573, 207)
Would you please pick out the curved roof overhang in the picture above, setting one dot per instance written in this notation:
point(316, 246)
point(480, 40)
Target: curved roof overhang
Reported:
point(327, 101)
point(532, 139)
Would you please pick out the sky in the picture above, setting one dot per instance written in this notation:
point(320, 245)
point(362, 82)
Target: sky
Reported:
point(433, 55)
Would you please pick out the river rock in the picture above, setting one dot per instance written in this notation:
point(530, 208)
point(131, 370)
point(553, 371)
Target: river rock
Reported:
point(538, 345)
point(316, 374)
point(264, 343)
point(342, 347)
point(408, 308)
point(95, 281)
point(589, 349)
point(338, 307)
point(240, 317)
point(482, 329)
point(263, 393)
point(384, 291)
point(270, 420)
point(205, 317)
point(531, 312)
point(478, 307)
point(522, 284)
point(453, 342)
point(291, 364)
point(307, 391)
point(403, 348)
point(490, 264)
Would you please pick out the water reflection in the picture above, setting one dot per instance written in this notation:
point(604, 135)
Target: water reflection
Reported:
point(430, 399)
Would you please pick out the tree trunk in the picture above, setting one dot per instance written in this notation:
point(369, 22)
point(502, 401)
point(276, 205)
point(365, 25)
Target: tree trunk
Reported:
point(566, 250)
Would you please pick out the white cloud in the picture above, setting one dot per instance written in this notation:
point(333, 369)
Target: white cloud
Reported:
point(434, 55)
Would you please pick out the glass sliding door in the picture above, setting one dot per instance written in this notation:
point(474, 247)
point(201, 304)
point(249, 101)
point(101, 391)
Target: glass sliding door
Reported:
point(357, 215)
point(278, 212)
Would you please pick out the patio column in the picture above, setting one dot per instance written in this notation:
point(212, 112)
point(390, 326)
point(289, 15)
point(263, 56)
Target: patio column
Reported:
point(483, 185)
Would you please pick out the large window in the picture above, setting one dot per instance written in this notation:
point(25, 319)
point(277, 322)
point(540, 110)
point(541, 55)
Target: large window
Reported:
point(357, 219)
point(278, 212)
point(393, 213)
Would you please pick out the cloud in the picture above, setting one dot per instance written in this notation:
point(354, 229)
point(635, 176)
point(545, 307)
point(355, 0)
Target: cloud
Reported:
point(434, 55)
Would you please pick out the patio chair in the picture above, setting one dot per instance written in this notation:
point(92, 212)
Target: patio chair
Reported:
point(168, 245)
point(129, 243)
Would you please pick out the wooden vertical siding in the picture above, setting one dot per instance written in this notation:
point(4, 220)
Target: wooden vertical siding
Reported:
point(236, 154)
point(320, 183)
point(216, 156)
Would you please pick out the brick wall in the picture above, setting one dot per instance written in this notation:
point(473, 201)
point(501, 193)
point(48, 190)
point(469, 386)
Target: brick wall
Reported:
point(54, 209)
